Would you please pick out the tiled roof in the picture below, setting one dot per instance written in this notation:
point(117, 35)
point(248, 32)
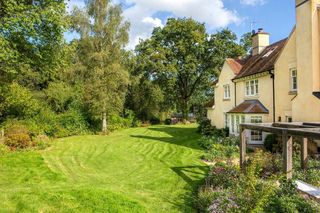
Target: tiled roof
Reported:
point(250, 107)
point(235, 64)
point(263, 62)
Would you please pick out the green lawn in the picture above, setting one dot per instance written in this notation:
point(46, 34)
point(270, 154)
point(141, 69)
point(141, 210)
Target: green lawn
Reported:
point(152, 169)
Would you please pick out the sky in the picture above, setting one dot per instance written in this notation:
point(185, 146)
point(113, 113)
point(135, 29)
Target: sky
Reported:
point(276, 17)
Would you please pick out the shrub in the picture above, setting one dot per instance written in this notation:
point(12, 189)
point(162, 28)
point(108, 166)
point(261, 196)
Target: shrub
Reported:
point(128, 120)
point(168, 121)
point(270, 142)
point(311, 176)
point(59, 96)
point(18, 102)
point(154, 121)
point(220, 152)
point(70, 123)
point(18, 141)
point(287, 199)
point(41, 142)
point(205, 197)
point(17, 136)
point(222, 175)
point(219, 148)
point(205, 127)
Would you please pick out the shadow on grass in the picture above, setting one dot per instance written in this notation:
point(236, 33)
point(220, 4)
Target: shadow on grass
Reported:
point(190, 174)
point(182, 136)
point(194, 176)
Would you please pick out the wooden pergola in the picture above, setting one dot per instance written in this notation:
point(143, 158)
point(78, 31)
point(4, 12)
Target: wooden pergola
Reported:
point(305, 131)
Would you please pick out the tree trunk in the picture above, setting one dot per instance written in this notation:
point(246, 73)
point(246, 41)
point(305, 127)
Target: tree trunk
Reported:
point(104, 123)
point(185, 110)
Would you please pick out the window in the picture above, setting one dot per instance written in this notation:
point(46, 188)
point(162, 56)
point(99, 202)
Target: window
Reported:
point(294, 80)
point(236, 120)
point(243, 120)
point(226, 123)
point(237, 123)
point(252, 88)
point(226, 91)
point(232, 123)
point(256, 135)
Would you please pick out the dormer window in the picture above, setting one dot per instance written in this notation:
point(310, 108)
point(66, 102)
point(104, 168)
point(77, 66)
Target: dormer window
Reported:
point(226, 89)
point(252, 87)
point(293, 80)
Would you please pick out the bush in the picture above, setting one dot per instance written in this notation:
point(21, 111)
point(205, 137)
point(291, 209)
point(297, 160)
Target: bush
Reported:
point(222, 175)
point(168, 121)
point(219, 148)
point(117, 122)
point(59, 96)
point(41, 142)
point(18, 102)
point(71, 123)
point(287, 199)
point(205, 127)
point(17, 136)
point(270, 142)
point(154, 121)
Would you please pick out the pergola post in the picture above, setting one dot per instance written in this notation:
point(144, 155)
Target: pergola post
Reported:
point(287, 154)
point(243, 147)
point(304, 153)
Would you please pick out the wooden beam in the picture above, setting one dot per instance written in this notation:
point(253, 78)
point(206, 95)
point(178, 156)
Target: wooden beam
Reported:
point(312, 124)
point(307, 133)
point(291, 125)
point(287, 154)
point(243, 147)
point(263, 128)
point(304, 153)
point(302, 132)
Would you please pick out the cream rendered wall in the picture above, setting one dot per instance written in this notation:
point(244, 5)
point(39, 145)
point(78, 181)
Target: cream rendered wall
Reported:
point(217, 114)
point(305, 106)
point(283, 95)
point(265, 94)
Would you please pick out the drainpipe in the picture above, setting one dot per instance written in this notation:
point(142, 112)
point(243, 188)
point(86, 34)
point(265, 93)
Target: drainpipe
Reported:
point(235, 94)
point(273, 96)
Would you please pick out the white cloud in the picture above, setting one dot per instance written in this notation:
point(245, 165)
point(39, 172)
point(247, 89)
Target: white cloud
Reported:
point(144, 14)
point(253, 2)
point(211, 12)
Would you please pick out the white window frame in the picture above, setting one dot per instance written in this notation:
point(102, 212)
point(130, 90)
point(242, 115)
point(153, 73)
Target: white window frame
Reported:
point(252, 88)
point(226, 92)
point(232, 123)
point(226, 122)
point(293, 80)
point(236, 120)
point(256, 135)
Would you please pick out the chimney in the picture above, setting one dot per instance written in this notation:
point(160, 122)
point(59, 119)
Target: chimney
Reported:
point(260, 40)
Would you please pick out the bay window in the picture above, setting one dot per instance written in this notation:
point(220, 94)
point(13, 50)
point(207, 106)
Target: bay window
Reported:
point(255, 134)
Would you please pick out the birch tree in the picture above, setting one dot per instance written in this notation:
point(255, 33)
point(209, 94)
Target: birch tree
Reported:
point(104, 35)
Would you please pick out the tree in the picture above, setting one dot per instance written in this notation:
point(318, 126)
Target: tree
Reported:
point(104, 35)
point(183, 59)
point(31, 41)
point(246, 42)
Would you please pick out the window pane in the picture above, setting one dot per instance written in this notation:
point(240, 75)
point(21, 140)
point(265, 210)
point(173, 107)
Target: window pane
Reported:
point(232, 123)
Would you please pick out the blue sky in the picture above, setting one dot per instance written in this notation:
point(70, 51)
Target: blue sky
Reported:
point(276, 16)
